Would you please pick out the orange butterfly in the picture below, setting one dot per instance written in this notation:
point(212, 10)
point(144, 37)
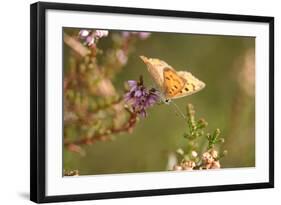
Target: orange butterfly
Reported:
point(173, 84)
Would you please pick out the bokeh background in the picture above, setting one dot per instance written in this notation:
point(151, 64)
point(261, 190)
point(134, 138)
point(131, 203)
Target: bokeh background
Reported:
point(225, 63)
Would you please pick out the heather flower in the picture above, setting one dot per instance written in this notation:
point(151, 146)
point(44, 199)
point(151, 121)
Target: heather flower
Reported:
point(89, 38)
point(140, 98)
point(209, 160)
point(216, 165)
point(126, 34)
point(194, 154)
point(214, 153)
point(188, 165)
point(177, 168)
point(144, 35)
point(83, 33)
point(140, 35)
point(101, 33)
point(121, 57)
point(71, 172)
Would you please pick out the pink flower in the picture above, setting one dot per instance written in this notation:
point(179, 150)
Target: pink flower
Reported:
point(83, 33)
point(126, 34)
point(101, 33)
point(140, 35)
point(121, 56)
point(144, 35)
point(90, 40)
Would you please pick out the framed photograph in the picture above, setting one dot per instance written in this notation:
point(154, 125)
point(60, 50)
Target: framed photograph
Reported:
point(129, 102)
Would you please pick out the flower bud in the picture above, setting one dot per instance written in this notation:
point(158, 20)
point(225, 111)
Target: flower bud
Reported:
point(207, 158)
point(180, 151)
point(194, 154)
point(214, 153)
point(188, 165)
point(101, 33)
point(177, 168)
point(216, 165)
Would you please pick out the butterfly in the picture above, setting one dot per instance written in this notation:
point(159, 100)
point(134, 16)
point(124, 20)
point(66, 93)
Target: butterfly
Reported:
point(173, 84)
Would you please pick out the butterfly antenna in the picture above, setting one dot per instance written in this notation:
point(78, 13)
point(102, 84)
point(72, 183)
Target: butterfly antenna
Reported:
point(179, 110)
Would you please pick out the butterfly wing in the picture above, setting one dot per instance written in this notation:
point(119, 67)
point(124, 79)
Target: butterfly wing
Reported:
point(191, 86)
point(173, 83)
point(155, 68)
point(181, 84)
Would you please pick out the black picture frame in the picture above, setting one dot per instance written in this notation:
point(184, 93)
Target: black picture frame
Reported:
point(38, 101)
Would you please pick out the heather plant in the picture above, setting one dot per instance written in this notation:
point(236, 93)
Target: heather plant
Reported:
point(202, 148)
point(93, 109)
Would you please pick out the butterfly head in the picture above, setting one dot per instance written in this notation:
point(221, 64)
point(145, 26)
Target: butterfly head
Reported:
point(167, 101)
point(164, 100)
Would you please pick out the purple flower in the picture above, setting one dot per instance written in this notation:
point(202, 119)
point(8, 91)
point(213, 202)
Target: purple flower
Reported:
point(140, 98)
point(89, 38)
point(83, 33)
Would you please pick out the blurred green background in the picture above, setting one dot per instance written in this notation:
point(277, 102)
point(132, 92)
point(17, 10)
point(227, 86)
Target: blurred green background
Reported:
point(225, 63)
